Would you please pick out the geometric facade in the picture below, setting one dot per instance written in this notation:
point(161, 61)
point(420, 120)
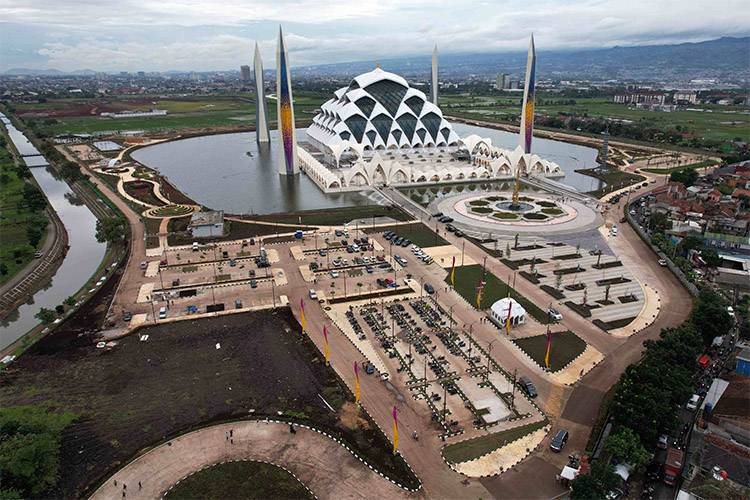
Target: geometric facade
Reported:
point(288, 159)
point(526, 131)
point(379, 111)
point(262, 133)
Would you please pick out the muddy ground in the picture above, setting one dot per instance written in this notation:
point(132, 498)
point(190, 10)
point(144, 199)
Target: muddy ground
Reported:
point(138, 394)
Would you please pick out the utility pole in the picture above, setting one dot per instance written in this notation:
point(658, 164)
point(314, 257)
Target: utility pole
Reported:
point(463, 245)
point(513, 390)
point(445, 405)
point(489, 355)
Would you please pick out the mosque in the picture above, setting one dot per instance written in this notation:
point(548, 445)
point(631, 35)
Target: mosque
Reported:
point(380, 131)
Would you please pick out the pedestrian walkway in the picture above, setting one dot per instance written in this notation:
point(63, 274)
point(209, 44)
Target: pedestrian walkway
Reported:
point(322, 464)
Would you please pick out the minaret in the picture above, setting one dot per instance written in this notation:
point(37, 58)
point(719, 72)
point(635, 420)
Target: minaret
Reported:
point(434, 79)
point(262, 133)
point(527, 111)
point(288, 162)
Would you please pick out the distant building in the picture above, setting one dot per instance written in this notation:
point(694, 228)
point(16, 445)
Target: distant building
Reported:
point(136, 114)
point(503, 81)
point(641, 96)
point(245, 73)
point(207, 224)
point(141, 74)
point(685, 97)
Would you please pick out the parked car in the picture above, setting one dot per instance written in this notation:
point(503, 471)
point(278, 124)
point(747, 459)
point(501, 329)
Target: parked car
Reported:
point(163, 313)
point(662, 262)
point(126, 316)
point(238, 304)
point(429, 288)
point(654, 470)
point(663, 442)
point(555, 314)
point(527, 386)
point(692, 405)
point(253, 284)
point(313, 295)
point(334, 273)
point(558, 443)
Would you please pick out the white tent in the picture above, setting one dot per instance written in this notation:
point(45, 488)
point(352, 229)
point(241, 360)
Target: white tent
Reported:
point(500, 308)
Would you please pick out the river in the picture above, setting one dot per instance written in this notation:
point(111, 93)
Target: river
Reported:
point(83, 257)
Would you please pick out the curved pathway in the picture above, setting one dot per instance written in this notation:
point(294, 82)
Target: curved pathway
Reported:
point(322, 464)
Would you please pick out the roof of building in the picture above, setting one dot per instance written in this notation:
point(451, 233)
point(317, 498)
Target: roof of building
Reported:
point(728, 457)
point(736, 397)
point(206, 218)
point(381, 111)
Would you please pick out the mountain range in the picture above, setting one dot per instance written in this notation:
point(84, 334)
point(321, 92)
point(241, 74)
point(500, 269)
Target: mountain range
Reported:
point(723, 58)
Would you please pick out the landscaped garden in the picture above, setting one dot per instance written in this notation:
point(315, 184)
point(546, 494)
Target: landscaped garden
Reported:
point(470, 449)
point(532, 210)
point(240, 480)
point(564, 348)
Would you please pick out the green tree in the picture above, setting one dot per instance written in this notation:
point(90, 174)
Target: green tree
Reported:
point(70, 171)
point(59, 309)
point(34, 198)
point(29, 450)
point(709, 316)
point(658, 222)
point(711, 257)
point(109, 230)
point(624, 444)
point(686, 177)
point(690, 242)
point(45, 315)
point(596, 484)
point(3, 268)
point(70, 301)
point(34, 235)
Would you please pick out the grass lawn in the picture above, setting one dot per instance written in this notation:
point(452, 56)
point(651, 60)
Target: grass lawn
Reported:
point(242, 480)
point(15, 250)
point(470, 449)
point(418, 233)
point(563, 348)
point(678, 169)
point(467, 281)
point(337, 216)
point(141, 393)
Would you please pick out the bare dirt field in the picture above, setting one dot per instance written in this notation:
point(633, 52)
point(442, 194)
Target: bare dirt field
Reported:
point(186, 375)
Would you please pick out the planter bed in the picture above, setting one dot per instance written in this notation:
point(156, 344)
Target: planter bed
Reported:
point(546, 204)
point(479, 203)
point(504, 215)
point(525, 262)
point(612, 281)
point(584, 311)
point(527, 247)
point(510, 263)
point(556, 244)
point(626, 299)
point(570, 270)
point(576, 286)
point(530, 277)
point(607, 265)
point(552, 211)
point(535, 216)
point(567, 257)
point(553, 291)
point(605, 302)
point(482, 210)
point(613, 325)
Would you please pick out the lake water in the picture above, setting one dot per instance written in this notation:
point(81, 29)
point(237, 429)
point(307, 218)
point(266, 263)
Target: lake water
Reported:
point(83, 257)
point(217, 171)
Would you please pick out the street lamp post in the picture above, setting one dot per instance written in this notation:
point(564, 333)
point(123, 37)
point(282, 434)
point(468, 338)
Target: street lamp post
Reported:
point(489, 354)
point(463, 245)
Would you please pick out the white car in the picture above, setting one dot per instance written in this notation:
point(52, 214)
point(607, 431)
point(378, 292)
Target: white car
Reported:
point(693, 403)
point(334, 273)
point(730, 310)
point(555, 314)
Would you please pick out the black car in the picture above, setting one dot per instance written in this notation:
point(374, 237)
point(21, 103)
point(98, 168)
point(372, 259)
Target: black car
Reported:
point(126, 316)
point(459, 233)
point(527, 386)
point(654, 470)
point(558, 443)
point(450, 228)
point(448, 219)
point(406, 243)
point(429, 288)
point(344, 243)
point(439, 214)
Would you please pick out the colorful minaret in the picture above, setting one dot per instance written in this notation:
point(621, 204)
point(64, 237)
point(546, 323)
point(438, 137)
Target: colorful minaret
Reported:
point(527, 114)
point(288, 162)
point(434, 79)
point(262, 133)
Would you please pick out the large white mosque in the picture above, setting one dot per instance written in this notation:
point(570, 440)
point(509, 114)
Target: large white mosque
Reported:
point(381, 131)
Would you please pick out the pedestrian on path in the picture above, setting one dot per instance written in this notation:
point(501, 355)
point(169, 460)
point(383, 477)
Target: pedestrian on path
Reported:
point(231, 440)
point(292, 430)
point(139, 486)
point(124, 486)
point(115, 482)
point(227, 436)
point(231, 433)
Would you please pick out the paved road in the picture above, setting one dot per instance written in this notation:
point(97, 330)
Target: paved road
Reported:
point(322, 464)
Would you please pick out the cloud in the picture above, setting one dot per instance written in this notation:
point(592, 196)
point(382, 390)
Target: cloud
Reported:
point(206, 35)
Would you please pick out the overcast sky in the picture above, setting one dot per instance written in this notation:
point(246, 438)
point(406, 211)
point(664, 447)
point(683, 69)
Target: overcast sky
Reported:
point(201, 35)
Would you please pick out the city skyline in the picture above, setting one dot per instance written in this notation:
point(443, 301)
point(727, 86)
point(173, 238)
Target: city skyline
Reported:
point(135, 36)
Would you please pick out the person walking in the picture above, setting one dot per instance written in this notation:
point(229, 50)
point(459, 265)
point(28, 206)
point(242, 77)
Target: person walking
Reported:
point(231, 433)
point(139, 486)
point(227, 436)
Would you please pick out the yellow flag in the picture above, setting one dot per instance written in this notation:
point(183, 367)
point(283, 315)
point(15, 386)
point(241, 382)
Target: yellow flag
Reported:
point(325, 340)
point(395, 431)
point(302, 308)
point(356, 384)
point(453, 271)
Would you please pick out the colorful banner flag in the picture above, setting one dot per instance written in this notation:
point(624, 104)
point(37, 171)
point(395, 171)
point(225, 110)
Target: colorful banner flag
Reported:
point(549, 341)
point(356, 384)
point(479, 295)
point(395, 431)
point(453, 271)
point(325, 339)
point(302, 307)
point(510, 308)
